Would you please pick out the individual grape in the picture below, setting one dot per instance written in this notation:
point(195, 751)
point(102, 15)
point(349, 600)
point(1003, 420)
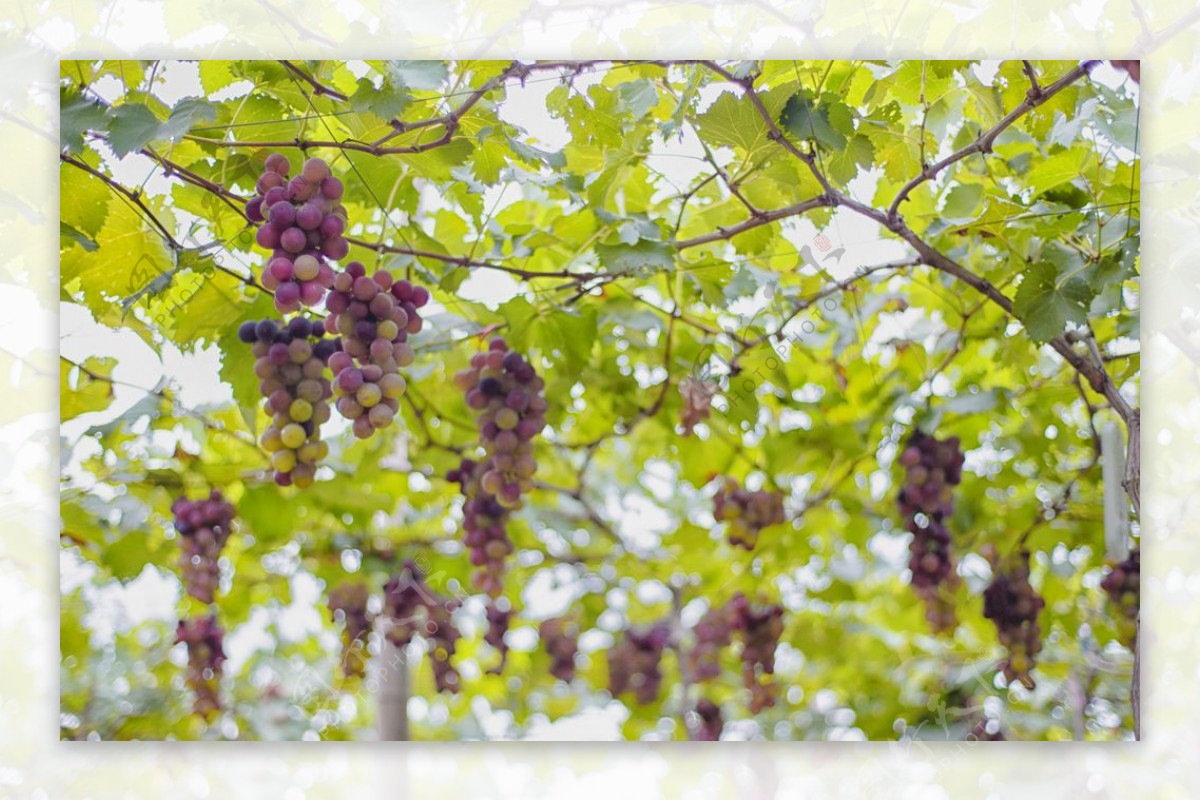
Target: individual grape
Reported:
point(204, 527)
point(498, 620)
point(634, 664)
point(560, 636)
point(932, 467)
point(412, 608)
point(204, 639)
point(1013, 605)
point(1123, 585)
point(713, 632)
point(348, 603)
point(709, 721)
point(291, 361)
point(375, 316)
point(746, 513)
point(301, 224)
point(760, 630)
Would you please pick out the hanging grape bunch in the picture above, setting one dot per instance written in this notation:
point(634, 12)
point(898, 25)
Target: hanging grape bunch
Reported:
point(760, 630)
point(560, 636)
point(635, 663)
point(498, 620)
point(414, 608)
point(746, 513)
point(1123, 585)
point(442, 636)
point(1012, 604)
point(710, 722)
point(374, 315)
point(302, 226)
point(204, 527)
point(507, 392)
point(697, 402)
point(932, 468)
point(290, 366)
point(713, 632)
point(204, 638)
point(348, 603)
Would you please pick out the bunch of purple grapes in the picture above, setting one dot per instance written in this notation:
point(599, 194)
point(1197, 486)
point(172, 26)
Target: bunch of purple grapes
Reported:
point(374, 316)
point(932, 468)
point(204, 638)
point(713, 632)
point(507, 392)
point(1013, 605)
point(204, 527)
point(760, 630)
point(560, 636)
point(414, 608)
point(498, 620)
point(1124, 585)
point(635, 663)
point(746, 513)
point(484, 527)
point(709, 721)
point(290, 365)
point(348, 603)
point(303, 225)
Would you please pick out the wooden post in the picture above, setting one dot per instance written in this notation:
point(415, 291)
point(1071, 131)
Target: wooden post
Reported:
point(394, 690)
point(1116, 503)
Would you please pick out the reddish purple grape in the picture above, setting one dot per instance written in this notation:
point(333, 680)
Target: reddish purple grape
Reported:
point(560, 637)
point(348, 603)
point(413, 608)
point(204, 526)
point(1123, 584)
point(1013, 605)
point(746, 513)
point(634, 664)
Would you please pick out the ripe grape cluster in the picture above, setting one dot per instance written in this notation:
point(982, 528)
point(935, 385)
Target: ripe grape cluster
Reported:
point(932, 468)
point(290, 366)
point(697, 402)
point(508, 394)
point(348, 603)
point(204, 638)
point(710, 721)
point(634, 663)
point(498, 620)
point(760, 630)
point(302, 226)
point(1123, 585)
point(747, 513)
point(713, 632)
point(414, 608)
point(204, 526)
point(374, 314)
point(1012, 604)
point(560, 636)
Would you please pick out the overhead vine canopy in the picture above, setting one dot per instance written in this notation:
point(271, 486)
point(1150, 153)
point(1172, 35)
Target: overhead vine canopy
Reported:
point(646, 399)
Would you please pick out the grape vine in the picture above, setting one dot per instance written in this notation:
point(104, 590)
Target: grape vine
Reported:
point(204, 639)
point(932, 468)
point(302, 224)
point(1012, 604)
point(290, 365)
point(204, 527)
point(746, 512)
